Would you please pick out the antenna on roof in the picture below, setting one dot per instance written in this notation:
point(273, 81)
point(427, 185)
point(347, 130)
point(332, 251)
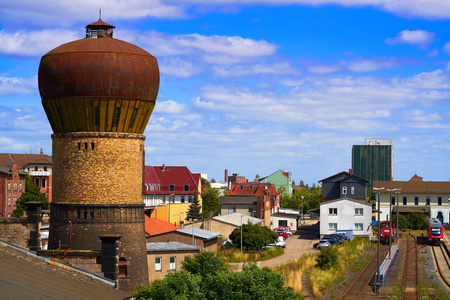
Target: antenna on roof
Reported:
point(100, 14)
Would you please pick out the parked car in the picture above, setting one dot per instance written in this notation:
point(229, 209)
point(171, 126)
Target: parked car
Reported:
point(283, 234)
point(333, 239)
point(284, 226)
point(323, 244)
point(277, 243)
point(284, 229)
point(340, 237)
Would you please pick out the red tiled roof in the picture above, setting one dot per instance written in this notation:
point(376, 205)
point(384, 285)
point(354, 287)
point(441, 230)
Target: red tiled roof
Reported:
point(23, 160)
point(157, 226)
point(168, 175)
point(252, 188)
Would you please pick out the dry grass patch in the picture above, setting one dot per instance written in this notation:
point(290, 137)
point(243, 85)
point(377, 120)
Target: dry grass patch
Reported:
point(293, 271)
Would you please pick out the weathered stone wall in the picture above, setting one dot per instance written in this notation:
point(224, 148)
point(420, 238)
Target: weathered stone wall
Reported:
point(15, 231)
point(86, 260)
point(98, 167)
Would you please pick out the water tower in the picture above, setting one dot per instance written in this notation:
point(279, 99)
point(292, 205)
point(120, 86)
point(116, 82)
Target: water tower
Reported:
point(98, 94)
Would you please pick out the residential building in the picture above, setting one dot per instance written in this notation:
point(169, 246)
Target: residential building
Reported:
point(12, 185)
point(432, 198)
point(374, 160)
point(164, 257)
point(225, 224)
point(344, 184)
point(279, 179)
point(287, 217)
point(235, 178)
point(157, 226)
point(255, 199)
point(168, 192)
point(205, 239)
point(37, 166)
point(346, 213)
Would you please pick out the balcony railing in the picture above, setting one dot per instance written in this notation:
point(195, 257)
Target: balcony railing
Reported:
point(39, 173)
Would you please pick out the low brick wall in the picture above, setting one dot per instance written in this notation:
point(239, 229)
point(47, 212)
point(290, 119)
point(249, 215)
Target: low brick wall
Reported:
point(83, 259)
point(15, 231)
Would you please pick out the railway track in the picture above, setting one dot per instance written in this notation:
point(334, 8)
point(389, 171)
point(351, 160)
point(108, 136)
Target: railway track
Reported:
point(442, 263)
point(411, 270)
point(359, 285)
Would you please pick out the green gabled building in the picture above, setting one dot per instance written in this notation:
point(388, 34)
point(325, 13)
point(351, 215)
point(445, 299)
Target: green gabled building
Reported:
point(279, 178)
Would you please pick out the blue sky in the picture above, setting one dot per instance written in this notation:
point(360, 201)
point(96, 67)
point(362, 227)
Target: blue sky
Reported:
point(256, 86)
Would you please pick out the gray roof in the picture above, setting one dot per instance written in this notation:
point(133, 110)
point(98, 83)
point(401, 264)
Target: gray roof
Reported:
point(345, 198)
point(235, 219)
point(171, 246)
point(236, 200)
point(27, 276)
point(201, 233)
point(7, 170)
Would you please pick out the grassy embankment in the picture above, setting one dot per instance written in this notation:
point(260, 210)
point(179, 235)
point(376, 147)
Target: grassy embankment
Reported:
point(350, 255)
point(235, 255)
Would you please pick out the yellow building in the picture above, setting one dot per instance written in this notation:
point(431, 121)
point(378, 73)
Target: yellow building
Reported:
point(169, 191)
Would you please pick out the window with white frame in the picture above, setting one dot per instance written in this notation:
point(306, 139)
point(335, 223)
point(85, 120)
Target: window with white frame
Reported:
point(332, 226)
point(352, 190)
point(359, 211)
point(332, 211)
point(173, 260)
point(344, 190)
point(158, 264)
point(359, 226)
point(182, 199)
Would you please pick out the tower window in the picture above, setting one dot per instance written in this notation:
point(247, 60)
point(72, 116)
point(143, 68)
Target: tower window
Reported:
point(116, 116)
point(133, 117)
point(79, 146)
point(92, 146)
point(97, 115)
point(85, 145)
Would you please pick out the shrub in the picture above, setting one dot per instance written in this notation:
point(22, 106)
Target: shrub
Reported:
point(254, 237)
point(327, 258)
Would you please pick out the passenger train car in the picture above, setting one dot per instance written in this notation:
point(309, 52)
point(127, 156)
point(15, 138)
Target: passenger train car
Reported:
point(435, 231)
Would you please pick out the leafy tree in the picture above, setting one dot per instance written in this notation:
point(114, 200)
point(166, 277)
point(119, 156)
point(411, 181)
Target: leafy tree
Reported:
point(257, 177)
point(213, 180)
point(402, 222)
point(206, 263)
point(416, 221)
point(194, 210)
point(205, 277)
point(310, 200)
point(327, 258)
point(254, 237)
point(210, 199)
point(32, 193)
point(302, 184)
point(204, 181)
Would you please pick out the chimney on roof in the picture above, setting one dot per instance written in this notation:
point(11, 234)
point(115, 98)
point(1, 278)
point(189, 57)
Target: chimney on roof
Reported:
point(163, 167)
point(42, 151)
point(350, 171)
point(226, 175)
point(31, 150)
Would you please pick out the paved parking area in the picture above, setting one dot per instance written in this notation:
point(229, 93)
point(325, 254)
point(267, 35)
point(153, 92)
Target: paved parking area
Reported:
point(301, 242)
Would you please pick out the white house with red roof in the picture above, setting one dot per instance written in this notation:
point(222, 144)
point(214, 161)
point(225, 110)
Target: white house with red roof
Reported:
point(168, 192)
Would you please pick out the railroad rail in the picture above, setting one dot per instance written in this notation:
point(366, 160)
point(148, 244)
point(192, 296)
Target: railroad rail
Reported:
point(364, 278)
point(442, 263)
point(411, 270)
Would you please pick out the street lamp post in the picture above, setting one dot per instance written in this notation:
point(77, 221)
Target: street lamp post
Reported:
point(241, 233)
point(302, 210)
point(398, 191)
point(390, 219)
point(378, 246)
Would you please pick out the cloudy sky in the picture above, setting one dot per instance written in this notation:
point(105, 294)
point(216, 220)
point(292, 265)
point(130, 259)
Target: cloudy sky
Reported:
point(254, 86)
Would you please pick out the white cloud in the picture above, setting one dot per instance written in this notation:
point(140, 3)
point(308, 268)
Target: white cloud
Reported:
point(177, 67)
point(446, 48)
point(16, 85)
point(420, 38)
point(169, 107)
point(257, 69)
point(34, 43)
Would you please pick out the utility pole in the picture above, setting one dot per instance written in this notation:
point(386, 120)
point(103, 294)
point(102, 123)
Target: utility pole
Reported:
point(398, 229)
point(378, 246)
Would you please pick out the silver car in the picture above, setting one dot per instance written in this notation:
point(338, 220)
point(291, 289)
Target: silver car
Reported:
point(323, 244)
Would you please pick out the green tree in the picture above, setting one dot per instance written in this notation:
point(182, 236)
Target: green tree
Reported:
point(327, 258)
point(402, 222)
point(302, 184)
point(210, 202)
point(205, 277)
point(257, 177)
point(254, 237)
point(194, 210)
point(416, 221)
point(204, 181)
point(32, 193)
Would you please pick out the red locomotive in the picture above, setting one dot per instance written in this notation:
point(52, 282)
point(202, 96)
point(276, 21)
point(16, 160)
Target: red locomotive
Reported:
point(387, 232)
point(435, 231)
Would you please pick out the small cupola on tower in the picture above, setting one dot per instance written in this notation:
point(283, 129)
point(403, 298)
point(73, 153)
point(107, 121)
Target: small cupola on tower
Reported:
point(99, 29)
